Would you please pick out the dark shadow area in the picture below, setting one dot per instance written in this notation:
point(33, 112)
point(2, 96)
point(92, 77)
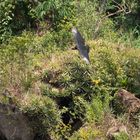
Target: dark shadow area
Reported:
point(2, 137)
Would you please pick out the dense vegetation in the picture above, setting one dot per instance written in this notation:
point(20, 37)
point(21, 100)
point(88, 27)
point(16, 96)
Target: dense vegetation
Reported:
point(61, 95)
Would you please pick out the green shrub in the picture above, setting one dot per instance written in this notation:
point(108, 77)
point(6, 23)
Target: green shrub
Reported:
point(17, 62)
point(15, 18)
point(92, 86)
point(6, 15)
point(53, 40)
point(88, 132)
point(87, 89)
point(55, 12)
point(122, 136)
point(92, 23)
point(95, 110)
point(43, 113)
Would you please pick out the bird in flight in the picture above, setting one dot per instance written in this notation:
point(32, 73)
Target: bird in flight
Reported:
point(80, 45)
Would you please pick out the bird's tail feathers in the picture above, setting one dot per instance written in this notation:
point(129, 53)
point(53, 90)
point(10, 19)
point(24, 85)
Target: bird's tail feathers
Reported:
point(86, 60)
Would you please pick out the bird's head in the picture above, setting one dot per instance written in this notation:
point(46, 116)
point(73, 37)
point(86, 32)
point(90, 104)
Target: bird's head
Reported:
point(74, 30)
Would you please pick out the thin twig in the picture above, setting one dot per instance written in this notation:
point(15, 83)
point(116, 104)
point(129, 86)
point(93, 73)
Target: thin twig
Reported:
point(121, 9)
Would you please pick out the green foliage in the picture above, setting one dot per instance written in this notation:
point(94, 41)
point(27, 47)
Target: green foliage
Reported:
point(57, 40)
point(43, 113)
point(87, 88)
point(60, 16)
point(21, 20)
point(6, 16)
point(91, 88)
point(77, 108)
point(97, 24)
point(89, 132)
point(14, 18)
point(49, 81)
point(55, 11)
point(95, 110)
point(16, 63)
point(122, 136)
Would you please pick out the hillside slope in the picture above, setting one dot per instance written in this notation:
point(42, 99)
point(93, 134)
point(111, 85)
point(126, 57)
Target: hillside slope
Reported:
point(60, 94)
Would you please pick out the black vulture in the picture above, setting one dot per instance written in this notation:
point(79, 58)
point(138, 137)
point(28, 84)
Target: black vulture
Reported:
point(80, 44)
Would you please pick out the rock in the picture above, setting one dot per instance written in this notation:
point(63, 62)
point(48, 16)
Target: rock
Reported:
point(128, 101)
point(13, 124)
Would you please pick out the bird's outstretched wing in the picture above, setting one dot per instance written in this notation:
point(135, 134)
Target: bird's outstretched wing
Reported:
point(80, 43)
point(79, 40)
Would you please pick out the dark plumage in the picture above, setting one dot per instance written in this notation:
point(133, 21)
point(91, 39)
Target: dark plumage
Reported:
point(80, 44)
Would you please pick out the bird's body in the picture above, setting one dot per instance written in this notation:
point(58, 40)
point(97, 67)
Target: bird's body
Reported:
point(81, 46)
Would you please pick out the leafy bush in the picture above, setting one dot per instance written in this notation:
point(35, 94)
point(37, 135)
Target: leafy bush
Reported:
point(95, 25)
point(15, 18)
point(43, 113)
point(95, 110)
point(82, 92)
point(16, 63)
point(88, 89)
point(55, 12)
point(6, 15)
point(20, 15)
point(49, 82)
point(88, 132)
point(122, 136)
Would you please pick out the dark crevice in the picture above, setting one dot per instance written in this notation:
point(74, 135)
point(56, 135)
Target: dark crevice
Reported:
point(67, 118)
point(77, 123)
point(2, 137)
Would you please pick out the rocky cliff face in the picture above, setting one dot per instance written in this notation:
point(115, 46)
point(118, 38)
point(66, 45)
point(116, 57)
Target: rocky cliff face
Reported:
point(14, 125)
